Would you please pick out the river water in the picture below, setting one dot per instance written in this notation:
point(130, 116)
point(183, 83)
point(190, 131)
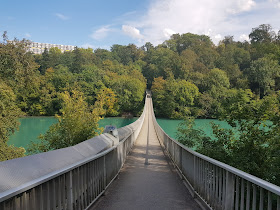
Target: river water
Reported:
point(32, 127)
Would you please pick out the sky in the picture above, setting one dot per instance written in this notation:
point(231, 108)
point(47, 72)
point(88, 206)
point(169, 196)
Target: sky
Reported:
point(102, 23)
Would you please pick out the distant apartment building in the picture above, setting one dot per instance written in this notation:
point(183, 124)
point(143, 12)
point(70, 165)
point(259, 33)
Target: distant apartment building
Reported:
point(38, 48)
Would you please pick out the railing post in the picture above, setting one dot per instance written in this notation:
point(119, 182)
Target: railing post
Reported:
point(194, 173)
point(229, 202)
point(104, 170)
point(69, 190)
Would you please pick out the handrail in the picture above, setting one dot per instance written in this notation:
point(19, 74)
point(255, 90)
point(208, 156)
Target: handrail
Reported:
point(219, 185)
point(78, 185)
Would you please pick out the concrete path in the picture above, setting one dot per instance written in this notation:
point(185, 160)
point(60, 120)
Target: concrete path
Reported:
point(147, 186)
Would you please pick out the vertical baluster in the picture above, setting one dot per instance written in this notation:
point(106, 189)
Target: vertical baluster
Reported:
point(69, 184)
point(82, 186)
point(48, 198)
point(63, 188)
point(104, 171)
point(32, 203)
point(261, 198)
point(53, 196)
point(254, 205)
point(79, 186)
point(85, 185)
point(216, 187)
point(59, 191)
point(278, 202)
point(220, 186)
point(211, 184)
point(23, 201)
point(41, 189)
point(224, 189)
point(95, 178)
point(248, 196)
point(269, 202)
point(204, 179)
point(242, 195)
point(194, 173)
point(237, 193)
point(230, 178)
point(199, 176)
point(92, 180)
point(17, 203)
point(98, 177)
point(208, 180)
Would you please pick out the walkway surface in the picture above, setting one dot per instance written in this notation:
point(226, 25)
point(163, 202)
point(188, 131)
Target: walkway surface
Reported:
point(147, 186)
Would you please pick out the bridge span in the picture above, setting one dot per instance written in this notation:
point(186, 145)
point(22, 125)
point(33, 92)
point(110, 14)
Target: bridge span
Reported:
point(147, 179)
point(139, 172)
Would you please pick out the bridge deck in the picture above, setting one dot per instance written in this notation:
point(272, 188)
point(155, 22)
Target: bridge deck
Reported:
point(147, 186)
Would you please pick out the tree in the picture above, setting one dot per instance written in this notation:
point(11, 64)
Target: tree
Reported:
point(108, 101)
point(262, 34)
point(263, 72)
point(129, 90)
point(159, 99)
point(185, 95)
point(174, 98)
point(8, 152)
point(9, 113)
point(161, 62)
point(252, 145)
point(78, 61)
point(216, 81)
point(78, 122)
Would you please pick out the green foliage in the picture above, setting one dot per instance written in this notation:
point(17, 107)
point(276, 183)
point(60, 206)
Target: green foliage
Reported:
point(10, 152)
point(188, 135)
point(253, 143)
point(108, 101)
point(188, 74)
point(129, 90)
point(263, 73)
point(174, 98)
point(78, 122)
point(9, 113)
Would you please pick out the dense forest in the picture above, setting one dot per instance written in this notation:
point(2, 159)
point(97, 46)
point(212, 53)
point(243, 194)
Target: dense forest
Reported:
point(188, 74)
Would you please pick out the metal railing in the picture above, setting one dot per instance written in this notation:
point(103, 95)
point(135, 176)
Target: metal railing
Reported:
point(77, 186)
point(218, 185)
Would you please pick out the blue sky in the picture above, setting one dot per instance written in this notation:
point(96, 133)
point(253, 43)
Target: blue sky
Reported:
point(95, 23)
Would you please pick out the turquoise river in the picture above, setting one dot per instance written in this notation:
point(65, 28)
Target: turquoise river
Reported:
point(31, 127)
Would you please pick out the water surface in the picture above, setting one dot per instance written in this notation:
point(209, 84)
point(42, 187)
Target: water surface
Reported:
point(31, 127)
point(170, 126)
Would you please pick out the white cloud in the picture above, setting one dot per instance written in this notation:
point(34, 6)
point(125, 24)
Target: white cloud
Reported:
point(167, 32)
point(214, 18)
point(276, 3)
point(218, 36)
point(241, 6)
point(101, 33)
point(132, 32)
point(61, 16)
point(244, 37)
